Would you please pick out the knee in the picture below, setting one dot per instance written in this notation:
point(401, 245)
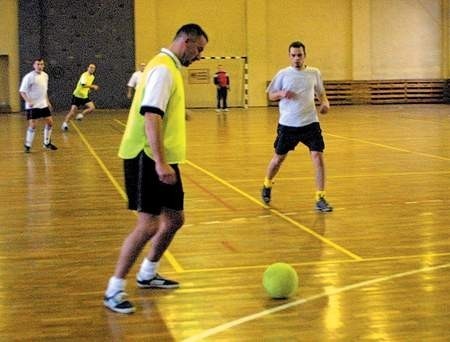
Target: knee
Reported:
point(175, 222)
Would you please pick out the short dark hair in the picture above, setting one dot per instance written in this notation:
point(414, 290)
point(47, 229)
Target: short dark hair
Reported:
point(192, 31)
point(297, 44)
point(39, 59)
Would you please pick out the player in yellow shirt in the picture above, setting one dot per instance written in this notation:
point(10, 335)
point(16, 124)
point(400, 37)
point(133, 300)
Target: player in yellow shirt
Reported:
point(152, 147)
point(80, 96)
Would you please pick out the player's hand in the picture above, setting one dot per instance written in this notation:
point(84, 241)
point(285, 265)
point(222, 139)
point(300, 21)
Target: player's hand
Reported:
point(96, 87)
point(287, 94)
point(166, 173)
point(324, 107)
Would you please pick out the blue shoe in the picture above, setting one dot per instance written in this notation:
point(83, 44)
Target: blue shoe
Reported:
point(323, 206)
point(119, 303)
point(266, 194)
point(157, 282)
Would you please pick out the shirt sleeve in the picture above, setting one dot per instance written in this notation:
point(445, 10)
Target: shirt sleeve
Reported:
point(25, 84)
point(319, 87)
point(83, 79)
point(132, 82)
point(275, 84)
point(157, 89)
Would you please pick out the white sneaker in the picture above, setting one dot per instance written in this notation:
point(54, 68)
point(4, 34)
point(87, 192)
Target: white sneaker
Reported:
point(79, 116)
point(64, 126)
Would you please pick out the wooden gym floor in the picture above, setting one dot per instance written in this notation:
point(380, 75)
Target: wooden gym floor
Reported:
point(375, 269)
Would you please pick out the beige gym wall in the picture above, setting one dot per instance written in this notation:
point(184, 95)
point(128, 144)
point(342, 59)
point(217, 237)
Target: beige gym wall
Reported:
point(9, 46)
point(346, 39)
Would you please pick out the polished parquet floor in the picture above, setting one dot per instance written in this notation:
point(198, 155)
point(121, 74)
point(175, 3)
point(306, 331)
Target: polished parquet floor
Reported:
point(375, 269)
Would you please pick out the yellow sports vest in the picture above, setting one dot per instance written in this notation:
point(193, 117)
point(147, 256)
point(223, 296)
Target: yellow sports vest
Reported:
point(87, 79)
point(135, 140)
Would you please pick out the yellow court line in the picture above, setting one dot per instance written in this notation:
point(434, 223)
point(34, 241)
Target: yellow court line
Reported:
point(276, 212)
point(388, 147)
point(167, 254)
point(323, 262)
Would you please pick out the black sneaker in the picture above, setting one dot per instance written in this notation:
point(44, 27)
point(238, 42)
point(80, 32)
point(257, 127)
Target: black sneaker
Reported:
point(323, 206)
point(27, 149)
point(265, 194)
point(119, 303)
point(157, 282)
point(50, 146)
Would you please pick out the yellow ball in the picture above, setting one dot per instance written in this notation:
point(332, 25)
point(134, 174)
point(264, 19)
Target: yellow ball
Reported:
point(280, 280)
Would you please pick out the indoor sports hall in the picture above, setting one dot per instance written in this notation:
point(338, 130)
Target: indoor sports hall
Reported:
point(376, 268)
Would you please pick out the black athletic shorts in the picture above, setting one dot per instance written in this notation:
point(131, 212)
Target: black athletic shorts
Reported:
point(37, 113)
point(78, 101)
point(289, 137)
point(146, 193)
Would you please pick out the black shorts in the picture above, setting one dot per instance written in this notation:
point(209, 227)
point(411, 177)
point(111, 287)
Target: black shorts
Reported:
point(146, 193)
point(37, 113)
point(289, 137)
point(78, 101)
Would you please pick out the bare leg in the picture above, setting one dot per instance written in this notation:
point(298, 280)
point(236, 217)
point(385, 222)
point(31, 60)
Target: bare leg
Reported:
point(319, 167)
point(71, 113)
point(170, 222)
point(274, 165)
point(160, 229)
point(90, 108)
point(146, 227)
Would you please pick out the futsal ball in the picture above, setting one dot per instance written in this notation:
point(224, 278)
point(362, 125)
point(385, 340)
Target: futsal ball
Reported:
point(280, 280)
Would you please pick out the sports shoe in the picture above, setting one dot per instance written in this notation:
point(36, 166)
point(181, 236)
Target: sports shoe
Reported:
point(226, 110)
point(27, 149)
point(50, 146)
point(323, 206)
point(64, 126)
point(218, 110)
point(157, 282)
point(119, 303)
point(79, 117)
point(266, 194)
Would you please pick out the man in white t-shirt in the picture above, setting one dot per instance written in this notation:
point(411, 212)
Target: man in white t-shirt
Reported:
point(33, 89)
point(134, 80)
point(296, 87)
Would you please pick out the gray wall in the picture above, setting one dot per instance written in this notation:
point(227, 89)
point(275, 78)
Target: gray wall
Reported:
point(71, 34)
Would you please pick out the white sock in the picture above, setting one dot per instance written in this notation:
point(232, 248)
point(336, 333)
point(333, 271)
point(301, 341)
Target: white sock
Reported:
point(29, 136)
point(115, 285)
point(47, 134)
point(148, 269)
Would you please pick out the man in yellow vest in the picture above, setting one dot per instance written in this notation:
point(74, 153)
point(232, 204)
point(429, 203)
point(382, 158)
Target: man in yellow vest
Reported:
point(80, 96)
point(152, 147)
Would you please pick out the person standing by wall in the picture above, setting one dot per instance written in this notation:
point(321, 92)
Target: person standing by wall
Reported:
point(222, 82)
point(80, 96)
point(33, 89)
point(152, 147)
point(295, 87)
point(134, 80)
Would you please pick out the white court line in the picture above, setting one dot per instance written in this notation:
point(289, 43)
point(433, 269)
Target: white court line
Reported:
point(328, 293)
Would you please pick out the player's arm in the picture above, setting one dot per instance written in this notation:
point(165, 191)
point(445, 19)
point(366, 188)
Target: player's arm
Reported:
point(153, 106)
point(50, 106)
point(324, 103)
point(26, 98)
point(155, 137)
point(280, 94)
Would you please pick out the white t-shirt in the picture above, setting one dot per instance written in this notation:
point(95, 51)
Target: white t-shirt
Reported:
point(135, 78)
point(35, 85)
point(300, 110)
